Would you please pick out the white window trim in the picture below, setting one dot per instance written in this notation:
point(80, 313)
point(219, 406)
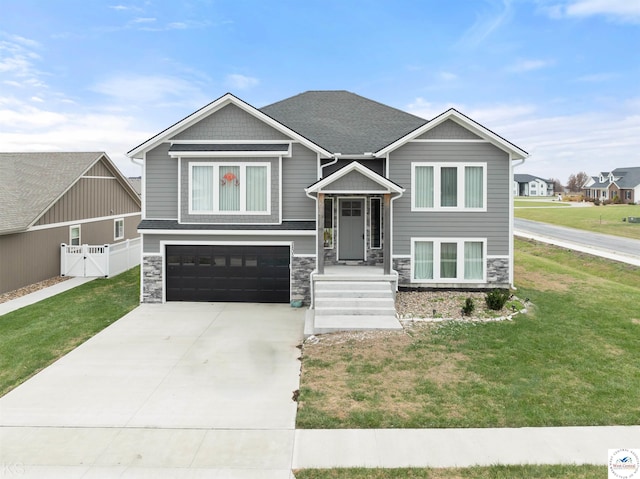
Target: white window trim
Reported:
point(71, 228)
point(216, 188)
point(460, 260)
point(115, 229)
point(437, 166)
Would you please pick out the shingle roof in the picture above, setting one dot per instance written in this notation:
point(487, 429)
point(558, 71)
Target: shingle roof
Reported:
point(31, 182)
point(343, 122)
point(524, 178)
point(629, 177)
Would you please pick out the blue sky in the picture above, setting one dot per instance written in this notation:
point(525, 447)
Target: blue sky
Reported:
point(559, 78)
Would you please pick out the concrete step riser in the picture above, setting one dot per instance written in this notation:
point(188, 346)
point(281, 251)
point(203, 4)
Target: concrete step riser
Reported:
point(351, 286)
point(353, 294)
point(354, 303)
point(355, 312)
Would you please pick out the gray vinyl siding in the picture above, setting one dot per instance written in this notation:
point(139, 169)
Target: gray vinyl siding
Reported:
point(298, 172)
point(230, 123)
point(91, 198)
point(449, 130)
point(235, 218)
point(161, 184)
point(304, 245)
point(33, 256)
point(492, 224)
point(354, 181)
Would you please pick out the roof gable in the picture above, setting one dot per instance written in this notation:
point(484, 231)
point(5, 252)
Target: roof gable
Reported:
point(30, 183)
point(213, 107)
point(230, 123)
point(355, 177)
point(343, 122)
point(627, 177)
point(464, 121)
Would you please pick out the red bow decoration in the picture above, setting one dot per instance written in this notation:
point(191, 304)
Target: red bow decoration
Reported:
point(228, 178)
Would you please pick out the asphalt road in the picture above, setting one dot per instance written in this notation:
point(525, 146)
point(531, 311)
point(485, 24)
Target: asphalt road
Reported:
point(608, 246)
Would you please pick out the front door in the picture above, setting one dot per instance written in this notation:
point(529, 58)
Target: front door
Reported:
point(351, 229)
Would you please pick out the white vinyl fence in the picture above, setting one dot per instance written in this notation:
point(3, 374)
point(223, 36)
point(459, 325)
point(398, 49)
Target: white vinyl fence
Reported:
point(106, 260)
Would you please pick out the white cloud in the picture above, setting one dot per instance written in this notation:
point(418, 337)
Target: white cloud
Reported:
point(486, 23)
point(620, 10)
point(447, 76)
point(27, 128)
point(523, 66)
point(560, 144)
point(143, 20)
point(241, 82)
point(143, 90)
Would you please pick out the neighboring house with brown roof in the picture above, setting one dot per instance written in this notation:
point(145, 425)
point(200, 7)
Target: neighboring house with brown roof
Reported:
point(623, 183)
point(53, 198)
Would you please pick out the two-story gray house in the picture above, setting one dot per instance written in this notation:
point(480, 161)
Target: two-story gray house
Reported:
point(326, 187)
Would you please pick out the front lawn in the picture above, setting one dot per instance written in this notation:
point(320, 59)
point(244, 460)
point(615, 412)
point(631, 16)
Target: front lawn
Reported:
point(493, 472)
point(599, 219)
point(572, 360)
point(35, 336)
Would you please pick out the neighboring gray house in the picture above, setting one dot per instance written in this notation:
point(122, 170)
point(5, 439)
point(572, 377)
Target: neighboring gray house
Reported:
point(270, 204)
point(623, 183)
point(529, 185)
point(53, 198)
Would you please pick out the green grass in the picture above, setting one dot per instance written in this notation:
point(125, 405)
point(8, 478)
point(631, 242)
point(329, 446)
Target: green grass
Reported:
point(35, 336)
point(493, 472)
point(538, 204)
point(572, 360)
point(599, 219)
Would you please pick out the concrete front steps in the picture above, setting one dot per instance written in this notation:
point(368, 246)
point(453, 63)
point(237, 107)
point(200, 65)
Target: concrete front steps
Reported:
point(343, 304)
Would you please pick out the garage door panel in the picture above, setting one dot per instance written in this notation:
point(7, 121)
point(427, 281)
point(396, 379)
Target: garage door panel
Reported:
point(228, 273)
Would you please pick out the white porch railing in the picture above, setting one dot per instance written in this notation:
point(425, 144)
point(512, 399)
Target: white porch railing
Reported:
point(105, 260)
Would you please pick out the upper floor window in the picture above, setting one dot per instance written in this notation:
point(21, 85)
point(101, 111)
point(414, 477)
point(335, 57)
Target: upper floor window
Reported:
point(448, 186)
point(230, 188)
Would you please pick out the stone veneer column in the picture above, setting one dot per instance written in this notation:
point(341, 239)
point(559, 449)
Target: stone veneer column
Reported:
point(152, 279)
point(301, 269)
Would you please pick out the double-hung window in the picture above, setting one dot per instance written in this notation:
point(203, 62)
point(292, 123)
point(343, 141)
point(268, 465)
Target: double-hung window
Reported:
point(230, 188)
point(118, 229)
point(448, 186)
point(445, 260)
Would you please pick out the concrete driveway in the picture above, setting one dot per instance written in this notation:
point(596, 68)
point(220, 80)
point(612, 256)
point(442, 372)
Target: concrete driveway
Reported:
point(173, 390)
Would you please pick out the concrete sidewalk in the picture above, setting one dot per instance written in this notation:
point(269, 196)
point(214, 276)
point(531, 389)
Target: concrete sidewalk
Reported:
point(393, 448)
point(41, 294)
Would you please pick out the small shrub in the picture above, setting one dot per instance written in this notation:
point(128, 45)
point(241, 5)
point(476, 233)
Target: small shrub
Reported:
point(497, 298)
point(596, 201)
point(468, 307)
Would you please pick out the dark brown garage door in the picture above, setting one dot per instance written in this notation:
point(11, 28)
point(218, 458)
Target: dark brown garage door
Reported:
point(257, 274)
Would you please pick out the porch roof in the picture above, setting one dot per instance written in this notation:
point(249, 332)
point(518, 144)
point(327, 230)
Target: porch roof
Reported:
point(355, 178)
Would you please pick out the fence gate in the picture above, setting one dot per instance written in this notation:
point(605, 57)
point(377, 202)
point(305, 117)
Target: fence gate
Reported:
point(102, 260)
point(84, 260)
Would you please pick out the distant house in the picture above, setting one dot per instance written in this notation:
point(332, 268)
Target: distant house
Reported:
point(52, 198)
point(623, 183)
point(529, 185)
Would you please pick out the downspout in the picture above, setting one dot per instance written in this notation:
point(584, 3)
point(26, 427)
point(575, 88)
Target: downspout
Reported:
point(336, 157)
point(512, 215)
point(393, 271)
